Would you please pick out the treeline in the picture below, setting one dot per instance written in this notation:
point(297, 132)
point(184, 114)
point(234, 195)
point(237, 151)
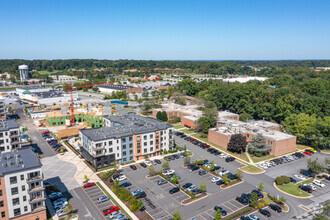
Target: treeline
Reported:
point(300, 100)
point(117, 66)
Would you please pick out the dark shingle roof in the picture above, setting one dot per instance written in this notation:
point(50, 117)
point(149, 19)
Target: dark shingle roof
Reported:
point(6, 125)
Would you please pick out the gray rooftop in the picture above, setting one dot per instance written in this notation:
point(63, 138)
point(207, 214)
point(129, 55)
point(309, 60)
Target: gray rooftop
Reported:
point(18, 160)
point(116, 87)
point(6, 125)
point(48, 94)
point(127, 125)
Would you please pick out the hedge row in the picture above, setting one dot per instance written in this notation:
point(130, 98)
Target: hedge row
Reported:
point(124, 195)
point(239, 213)
point(280, 180)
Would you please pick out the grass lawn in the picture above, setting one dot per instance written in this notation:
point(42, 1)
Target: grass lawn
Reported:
point(189, 153)
point(294, 190)
point(187, 131)
point(302, 147)
point(45, 72)
point(251, 169)
point(177, 126)
point(112, 199)
point(258, 159)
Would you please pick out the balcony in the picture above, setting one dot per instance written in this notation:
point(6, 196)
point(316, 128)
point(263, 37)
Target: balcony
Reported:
point(98, 148)
point(37, 199)
point(12, 135)
point(37, 189)
point(38, 209)
point(34, 178)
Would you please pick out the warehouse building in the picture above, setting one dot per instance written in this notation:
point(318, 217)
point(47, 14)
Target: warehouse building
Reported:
point(110, 88)
point(125, 138)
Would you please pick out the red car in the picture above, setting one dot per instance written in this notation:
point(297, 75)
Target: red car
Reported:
point(192, 140)
point(89, 185)
point(45, 132)
point(110, 210)
point(206, 146)
point(307, 153)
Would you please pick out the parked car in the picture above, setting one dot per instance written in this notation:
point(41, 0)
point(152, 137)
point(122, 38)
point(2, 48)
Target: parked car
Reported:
point(45, 132)
point(215, 179)
point(242, 200)
point(223, 155)
point(137, 191)
point(276, 208)
point(125, 184)
point(223, 172)
point(260, 195)
point(220, 182)
point(102, 199)
point(194, 167)
point(244, 218)
point(174, 190)
point(252, 217)
point(327, 177)
point(230, 159)
point(185, 186)
point(55, 195)
point(306, 173)
point(121, 178)
point(195, 191)
point(110, 210)
point(143, 165)
point(293, 180)
point(133, 167)
point(246, 196)
point(307, 153)
point(87, 185)
point(223, 212)
point(168, 172)
point(161, 181)
point(202, 172)
point(158, 161)
point(140, 195)
point(300, 177)
point(265, 212)
point(113, 214)
point(306, 188)
point(191, 187)
point(318, 183)
point(148, 163)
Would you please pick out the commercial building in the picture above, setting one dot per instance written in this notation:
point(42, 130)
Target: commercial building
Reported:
point(2, 109)
point(110, 88)
point(9, 135)
point(63, 78)
point(22, 193)
point(24, 72)
point(281, 142)
point(44, 96)
point(244, 79)
point(125, 138)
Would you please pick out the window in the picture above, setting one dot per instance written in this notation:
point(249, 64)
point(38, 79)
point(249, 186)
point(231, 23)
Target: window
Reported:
point(144, 137)
point(110, 143)
point(123, 139)
point(117, 155)
point(130, 145)
point(131, 152)
point(22, 177)
point(3, 214)
point(124, 153)
point(13, 180)
point(138, 138)
point(17, 212)
point(23, 188)
point(117, 141)
point(25, 209)
point(0, 192)
point(145, 144)
point(1, 203)
point(145, 151)
point(24, 198)
point(130, 138)
point(14, 191)
point(117, 148)
point(15, 201)
point(139, 151)
point(151, 142)
point(151, 149)
point(110, 150)
point(131, 158)
point(151, 136)
point(124, 147)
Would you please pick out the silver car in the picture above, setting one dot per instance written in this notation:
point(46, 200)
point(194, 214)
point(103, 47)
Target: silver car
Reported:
point(102, 199)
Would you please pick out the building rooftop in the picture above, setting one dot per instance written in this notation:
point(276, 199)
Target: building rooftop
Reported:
point(116, 87)
point(229, 127)
point(125, 125)
point(18, 160)
point(48, 94)
point(6, 125)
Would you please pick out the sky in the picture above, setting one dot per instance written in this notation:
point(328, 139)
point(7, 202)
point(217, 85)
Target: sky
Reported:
point(165, 29)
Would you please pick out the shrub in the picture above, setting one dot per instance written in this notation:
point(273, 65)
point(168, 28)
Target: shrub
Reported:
point(202, 135)
point(282, 180)
point(133, 207)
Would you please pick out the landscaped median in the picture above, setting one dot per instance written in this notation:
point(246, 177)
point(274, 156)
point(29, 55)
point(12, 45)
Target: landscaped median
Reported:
point(292, 189)
point(251, 169)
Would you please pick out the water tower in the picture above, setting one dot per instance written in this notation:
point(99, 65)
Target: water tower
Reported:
point(23, 72)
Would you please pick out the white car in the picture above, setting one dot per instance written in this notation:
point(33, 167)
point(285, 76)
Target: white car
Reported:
point(215, 179)
point(318, 183)
point(223, 172)
point(113, 214)
point(148, 163)
point(121, 178)
point(209, 165)
point(300, 177)
point(191, 187)
point(168, 172)
point(223, 155)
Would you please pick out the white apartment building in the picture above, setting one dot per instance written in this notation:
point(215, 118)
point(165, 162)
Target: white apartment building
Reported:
point(9, 135)
point(22, 194)
point(2, 108)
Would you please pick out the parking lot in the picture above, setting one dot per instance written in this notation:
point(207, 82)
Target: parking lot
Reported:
point(95, 192)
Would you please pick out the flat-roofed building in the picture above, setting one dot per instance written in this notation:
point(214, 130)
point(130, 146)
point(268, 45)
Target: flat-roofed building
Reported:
point(110, 88)
point(9, 135)
point(125, 138)
point(22, 193)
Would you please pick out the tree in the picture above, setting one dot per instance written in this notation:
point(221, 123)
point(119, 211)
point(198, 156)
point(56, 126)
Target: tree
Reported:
point(186, 160)
point(314, 166)
point(164, 116)
point(175, 178)
point(166, 165)
point(217, 215)
point(180, 100)
point(151, 170)
point(159, 115)
point(145, 94)
point(237, 143)
point(185, 148)
point(261, 186)
point(239, 174)
point(212, 166)
point(202, 187)
point(140, 204)
point(177, 215)
point(254, 199)
point(225, 179)
point(245, 117)
point(258, 146)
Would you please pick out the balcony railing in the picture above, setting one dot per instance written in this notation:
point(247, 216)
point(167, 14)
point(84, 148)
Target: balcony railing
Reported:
point(37, 199)
point(36, 189)
point(34, 178)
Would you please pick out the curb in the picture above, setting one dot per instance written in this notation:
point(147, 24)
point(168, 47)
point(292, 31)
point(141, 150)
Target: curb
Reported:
point(194, 200)
point(298, 197)
point(232, 185)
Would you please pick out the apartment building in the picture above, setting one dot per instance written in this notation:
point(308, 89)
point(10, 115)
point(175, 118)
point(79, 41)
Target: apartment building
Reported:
point(9, 135)
point(22, 195)
point(125, 138)
point(2, 109)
